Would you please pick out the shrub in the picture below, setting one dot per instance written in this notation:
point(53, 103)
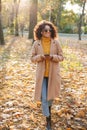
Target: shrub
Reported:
point(68, 30)
point(85, 29)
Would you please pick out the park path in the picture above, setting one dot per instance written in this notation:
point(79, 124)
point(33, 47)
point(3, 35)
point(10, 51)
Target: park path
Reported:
point(18, 111)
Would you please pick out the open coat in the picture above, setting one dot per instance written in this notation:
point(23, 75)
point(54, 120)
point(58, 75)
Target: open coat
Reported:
point(54, 81)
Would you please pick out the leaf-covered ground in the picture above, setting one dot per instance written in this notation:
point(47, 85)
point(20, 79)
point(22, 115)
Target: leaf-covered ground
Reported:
point(19, 111)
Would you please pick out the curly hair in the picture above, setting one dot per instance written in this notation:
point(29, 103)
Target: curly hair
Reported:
point(39, 28)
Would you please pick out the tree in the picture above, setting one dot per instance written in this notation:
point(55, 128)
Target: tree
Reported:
point(33, 17)
point(11, 18)
point(68, 22)
point(8, 11)
point(82, 4)
point(52, 10)
point(81, 19)
point(1, 29)
point(60, 9)
point(16, 3)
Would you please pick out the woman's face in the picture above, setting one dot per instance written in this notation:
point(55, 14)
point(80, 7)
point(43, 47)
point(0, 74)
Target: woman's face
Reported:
point(46, 31)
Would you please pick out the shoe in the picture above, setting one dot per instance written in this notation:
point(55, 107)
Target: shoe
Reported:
point(48, 126)
point(50, 110)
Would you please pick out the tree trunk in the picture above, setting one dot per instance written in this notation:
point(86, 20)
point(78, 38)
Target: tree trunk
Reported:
point(32, 18)
point(16, 26)
point(16, 17)
point(50, 13)
point(1, 29)
point(11, 20)
point(79, 27)
point(58, 19)
point(81, 19)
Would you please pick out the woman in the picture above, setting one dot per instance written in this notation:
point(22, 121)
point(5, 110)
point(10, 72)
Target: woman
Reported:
point(47, 53)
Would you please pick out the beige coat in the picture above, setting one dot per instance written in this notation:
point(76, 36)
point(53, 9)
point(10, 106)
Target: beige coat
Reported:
point(54, 70)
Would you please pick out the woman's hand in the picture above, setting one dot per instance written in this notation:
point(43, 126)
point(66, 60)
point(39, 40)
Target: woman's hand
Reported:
point(42, 57)
point(48, 57)
point(51, 57)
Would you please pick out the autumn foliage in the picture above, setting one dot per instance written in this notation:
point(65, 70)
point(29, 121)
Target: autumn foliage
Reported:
point(18, 110)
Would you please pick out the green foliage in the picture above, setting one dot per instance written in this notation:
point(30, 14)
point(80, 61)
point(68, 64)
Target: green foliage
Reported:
point(75, 29)
point(68, 22)
point(52, 10)
point(79, 2)
point(85, 29)
point(68, 29)
point(10, 30)
point(71, 61)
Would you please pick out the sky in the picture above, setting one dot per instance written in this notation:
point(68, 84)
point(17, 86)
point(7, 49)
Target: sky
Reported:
point(75, 7)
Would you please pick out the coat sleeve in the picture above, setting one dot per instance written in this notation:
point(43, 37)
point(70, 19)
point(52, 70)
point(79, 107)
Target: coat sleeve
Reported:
point(34, 56)
point(59, 56)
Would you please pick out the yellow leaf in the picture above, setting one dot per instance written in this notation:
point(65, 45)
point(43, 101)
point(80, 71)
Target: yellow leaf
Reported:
point(38, 104)
point(68, 129)
point(81, 113)
point(59, 128)
point(33, 118)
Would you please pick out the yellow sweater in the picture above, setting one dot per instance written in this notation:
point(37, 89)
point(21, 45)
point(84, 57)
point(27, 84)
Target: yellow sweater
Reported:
point(46, 49)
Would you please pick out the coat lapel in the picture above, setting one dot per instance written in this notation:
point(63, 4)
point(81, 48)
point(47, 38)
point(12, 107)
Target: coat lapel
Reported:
point(41, 48)
point(51, 48)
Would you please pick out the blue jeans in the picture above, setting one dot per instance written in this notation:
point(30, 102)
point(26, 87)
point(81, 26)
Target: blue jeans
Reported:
point(45, 103)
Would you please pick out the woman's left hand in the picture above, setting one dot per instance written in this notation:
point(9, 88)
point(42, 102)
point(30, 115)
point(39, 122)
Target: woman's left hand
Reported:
point(48, 57)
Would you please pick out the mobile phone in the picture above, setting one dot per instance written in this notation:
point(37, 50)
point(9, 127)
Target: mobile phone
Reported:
point(46, 55)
